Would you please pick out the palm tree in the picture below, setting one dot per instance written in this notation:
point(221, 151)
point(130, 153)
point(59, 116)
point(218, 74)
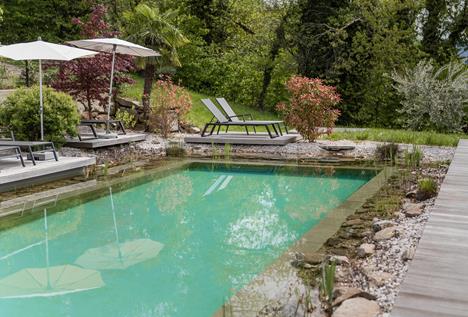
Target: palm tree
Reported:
point(150, 27)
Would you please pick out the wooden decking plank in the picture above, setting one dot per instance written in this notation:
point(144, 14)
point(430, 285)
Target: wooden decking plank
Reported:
point(436, 283)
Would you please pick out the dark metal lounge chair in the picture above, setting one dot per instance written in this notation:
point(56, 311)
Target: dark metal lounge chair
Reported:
point(9, 149)
point(93, 123)
point(232, 116)
point(43, 146)
point(219, 120)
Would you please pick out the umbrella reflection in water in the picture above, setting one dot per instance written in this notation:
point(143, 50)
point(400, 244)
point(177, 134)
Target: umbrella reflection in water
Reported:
point(49, 281)
point(119, 256)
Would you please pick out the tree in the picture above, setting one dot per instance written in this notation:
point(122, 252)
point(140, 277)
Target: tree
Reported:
point(444, 28)
point(87, 79)
point(27, 20)
point(153, 28)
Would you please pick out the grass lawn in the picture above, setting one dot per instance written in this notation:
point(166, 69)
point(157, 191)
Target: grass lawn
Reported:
point(198, 115)
point(399, 136)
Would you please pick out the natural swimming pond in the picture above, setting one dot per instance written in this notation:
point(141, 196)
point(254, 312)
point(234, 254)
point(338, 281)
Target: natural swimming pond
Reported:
point(177, 244)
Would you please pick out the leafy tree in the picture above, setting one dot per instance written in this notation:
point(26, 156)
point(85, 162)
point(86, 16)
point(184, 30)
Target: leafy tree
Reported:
point(51, 19)
point(152, 28)
point(444, 28)
point(87, 79)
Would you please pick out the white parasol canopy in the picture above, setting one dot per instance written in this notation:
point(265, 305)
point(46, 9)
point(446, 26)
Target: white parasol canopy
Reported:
point(113, 46)
point(40, 50)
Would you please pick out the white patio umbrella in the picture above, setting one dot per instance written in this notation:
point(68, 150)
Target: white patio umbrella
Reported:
point(40, 50)
point(114, 46)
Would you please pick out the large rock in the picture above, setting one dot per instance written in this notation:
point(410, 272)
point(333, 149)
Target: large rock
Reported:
point(365, 249)
point(351, 292)
point(357, 307)
point(414, 210)
point(385, 234)
point(378, 225)
point(127, 103)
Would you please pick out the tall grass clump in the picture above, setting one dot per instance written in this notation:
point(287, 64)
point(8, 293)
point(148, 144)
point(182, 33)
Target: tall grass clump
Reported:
point(327, 284)
point(387, 152)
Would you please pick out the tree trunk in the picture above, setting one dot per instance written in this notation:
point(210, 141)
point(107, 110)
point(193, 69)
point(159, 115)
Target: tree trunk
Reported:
point(268, 70)
point(148, 86)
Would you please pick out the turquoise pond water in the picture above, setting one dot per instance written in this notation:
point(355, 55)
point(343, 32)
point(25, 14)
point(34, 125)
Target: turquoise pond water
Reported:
point(177, 245)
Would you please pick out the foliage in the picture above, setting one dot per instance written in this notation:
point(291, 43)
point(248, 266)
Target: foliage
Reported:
point(427, 188)
point(27, 20)
point(87, 79)
point(414, 157)
point(433, 98)
point(128, 119)
point(311, 107)
point(152, 27)
point(168, 103)
point(20, 112)
point(444, 28)
point(327, 284)
point(399, 136)
point(387, 152)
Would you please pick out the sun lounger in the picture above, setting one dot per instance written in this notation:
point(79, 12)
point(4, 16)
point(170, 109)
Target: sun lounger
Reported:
point(31, 145)
point(219, 120)
point(12, 148)
point(232, 116)
point(93, 123)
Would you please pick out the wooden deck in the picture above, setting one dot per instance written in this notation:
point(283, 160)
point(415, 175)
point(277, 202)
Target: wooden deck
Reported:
point(13, 175)
point(436, 284)
point(242, 138)
point(99, 143)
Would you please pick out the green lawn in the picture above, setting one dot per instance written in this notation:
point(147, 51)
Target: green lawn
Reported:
point(198, 115)
point(399, 136)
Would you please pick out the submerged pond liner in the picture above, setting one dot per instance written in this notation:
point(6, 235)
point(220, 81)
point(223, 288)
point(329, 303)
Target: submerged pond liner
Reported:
point(311, 239)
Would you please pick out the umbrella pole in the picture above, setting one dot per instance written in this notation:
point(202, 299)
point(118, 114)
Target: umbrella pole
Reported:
point(41, 101)
point(47, 247)
point(115, 223)
point(110, 88)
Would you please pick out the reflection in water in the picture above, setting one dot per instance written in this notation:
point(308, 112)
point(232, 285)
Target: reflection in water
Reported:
point(179, 245)
point(48, 281)
point(119, 256)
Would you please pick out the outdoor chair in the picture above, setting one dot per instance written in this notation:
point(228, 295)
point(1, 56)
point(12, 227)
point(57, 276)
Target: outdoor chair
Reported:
point(219, 120)
point(44, 146)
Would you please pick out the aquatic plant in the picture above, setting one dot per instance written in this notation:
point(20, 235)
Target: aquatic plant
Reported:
point(327, 284)
point(387, 152)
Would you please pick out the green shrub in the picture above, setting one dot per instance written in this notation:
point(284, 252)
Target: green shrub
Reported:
point(20, 112)
point(433, 98)
point(128, 119)
point(387, 152)
point(427, 188)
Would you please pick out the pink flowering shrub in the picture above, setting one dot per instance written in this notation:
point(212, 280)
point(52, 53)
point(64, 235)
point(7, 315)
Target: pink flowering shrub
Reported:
point(169, 104)
point(311, 107)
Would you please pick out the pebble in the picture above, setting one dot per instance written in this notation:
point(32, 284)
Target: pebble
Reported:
point(385, 234)
point(365, 249)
